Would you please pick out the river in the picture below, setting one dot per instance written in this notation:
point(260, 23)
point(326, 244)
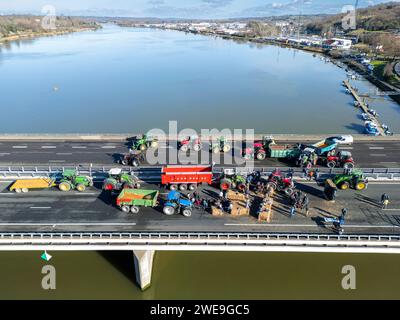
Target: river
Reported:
point(120, 80)
point(201, 275)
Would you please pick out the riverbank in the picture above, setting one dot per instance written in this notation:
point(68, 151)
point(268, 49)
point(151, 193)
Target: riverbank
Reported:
point(32, 35)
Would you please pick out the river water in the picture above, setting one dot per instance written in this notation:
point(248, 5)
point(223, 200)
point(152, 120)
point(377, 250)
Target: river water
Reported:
point(205, 275)
point(130, 80)
point(119, 80)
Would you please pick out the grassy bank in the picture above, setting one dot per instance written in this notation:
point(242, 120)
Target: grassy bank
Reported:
point(23, 27)
point(384, 71)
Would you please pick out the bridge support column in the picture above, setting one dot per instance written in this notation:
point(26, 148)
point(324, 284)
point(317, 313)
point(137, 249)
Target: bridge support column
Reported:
point(143, 267)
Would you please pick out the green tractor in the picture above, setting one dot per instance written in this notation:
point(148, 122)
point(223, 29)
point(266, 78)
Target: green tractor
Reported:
point(144, 142)
point(231, 180)
point(221, 145)
point(354, 180)
point(117, 181)
point(71, 180)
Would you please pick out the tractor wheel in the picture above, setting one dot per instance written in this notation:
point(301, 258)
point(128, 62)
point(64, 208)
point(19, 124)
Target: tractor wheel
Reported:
point(187, 212)
point(125, 209)
point(81, 187)
point(331, 164)
point(216, 150)
point(261, 156)
point(154, 144)
point(64, 186)
point(272, 185)
point(183, 187)
point(137, 185)
point(173, 187)
point(142, 147)
point(361, 185)
point(135, 163)
point(168, 210)
point(289, 191)
point(241, 186)
point(25, 190)
point(124, 162)
point(226, 148)
point(184, 148)
point(225, 184)
point(197, 147)
point(348, 165)
point(345, 185)
point(192, 186)
point(134, 209)
point(18, 190)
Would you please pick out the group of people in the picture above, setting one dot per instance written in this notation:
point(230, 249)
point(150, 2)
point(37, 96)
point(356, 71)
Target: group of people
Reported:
point(199, 202)
point(299, 200)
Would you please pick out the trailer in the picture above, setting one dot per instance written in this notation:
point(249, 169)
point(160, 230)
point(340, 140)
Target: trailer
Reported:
point(284, 151)
point(130, 200)
point(185, 177)
point(324, 146)
point(24, 185)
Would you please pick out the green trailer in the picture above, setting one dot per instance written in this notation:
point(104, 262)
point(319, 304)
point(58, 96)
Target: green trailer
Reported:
point(130, 200)
point(283, 151)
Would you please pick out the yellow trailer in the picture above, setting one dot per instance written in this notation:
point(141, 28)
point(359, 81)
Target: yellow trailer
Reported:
point(24, 185)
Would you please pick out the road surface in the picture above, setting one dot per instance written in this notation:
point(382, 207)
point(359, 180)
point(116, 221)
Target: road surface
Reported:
point(367, 154)
point(94, 211)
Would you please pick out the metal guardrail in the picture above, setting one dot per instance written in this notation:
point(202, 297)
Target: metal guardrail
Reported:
point(152, 173)
point(194, 236)
point(200, 241)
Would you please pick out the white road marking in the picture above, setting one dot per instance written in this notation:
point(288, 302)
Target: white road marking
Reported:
point(388, 162)
point(20, 147)
point(39, 207)
point(346, 148)
point(79, 147)
point(376, 148)
point(60, 161)
point(64, 153)
point(378, 155)
point(4, 154)
point(49, 147)
point(108, 147)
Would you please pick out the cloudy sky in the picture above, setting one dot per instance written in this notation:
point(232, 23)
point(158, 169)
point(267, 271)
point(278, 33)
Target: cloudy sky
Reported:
point(181, 8)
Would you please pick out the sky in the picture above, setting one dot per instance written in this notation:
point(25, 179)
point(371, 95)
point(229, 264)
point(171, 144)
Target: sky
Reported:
point(201, 9)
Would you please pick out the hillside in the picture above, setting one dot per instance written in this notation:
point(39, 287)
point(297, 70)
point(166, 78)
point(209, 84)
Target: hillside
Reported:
point(383, 17)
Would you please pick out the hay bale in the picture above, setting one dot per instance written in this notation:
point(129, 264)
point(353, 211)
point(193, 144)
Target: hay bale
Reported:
point(216, 211)
point(235, 196)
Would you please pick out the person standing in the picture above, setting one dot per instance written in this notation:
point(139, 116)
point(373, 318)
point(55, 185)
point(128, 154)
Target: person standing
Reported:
point(293, 211)
point(384, 200)
point(305, 204)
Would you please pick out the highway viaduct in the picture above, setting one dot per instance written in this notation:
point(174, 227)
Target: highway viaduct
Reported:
point(52, 220)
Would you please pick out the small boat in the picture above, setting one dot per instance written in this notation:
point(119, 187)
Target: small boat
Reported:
point(365, 116)
point(371, 128)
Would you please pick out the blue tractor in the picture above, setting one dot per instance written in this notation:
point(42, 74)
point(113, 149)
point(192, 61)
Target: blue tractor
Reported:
point(175, 203)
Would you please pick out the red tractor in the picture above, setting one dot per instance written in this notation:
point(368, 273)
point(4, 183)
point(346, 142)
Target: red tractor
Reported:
point(190, 143)
point(259, 149)
point(279, 182)
point(342, 159)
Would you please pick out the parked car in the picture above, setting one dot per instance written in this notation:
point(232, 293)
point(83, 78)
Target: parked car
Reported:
point(344, 139)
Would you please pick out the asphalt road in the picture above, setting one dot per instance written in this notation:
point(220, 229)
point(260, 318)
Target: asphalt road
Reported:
point(371, 154)
point(94, 211)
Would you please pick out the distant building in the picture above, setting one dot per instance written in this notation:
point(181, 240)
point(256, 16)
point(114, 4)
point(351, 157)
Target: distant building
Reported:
point(338, 43)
